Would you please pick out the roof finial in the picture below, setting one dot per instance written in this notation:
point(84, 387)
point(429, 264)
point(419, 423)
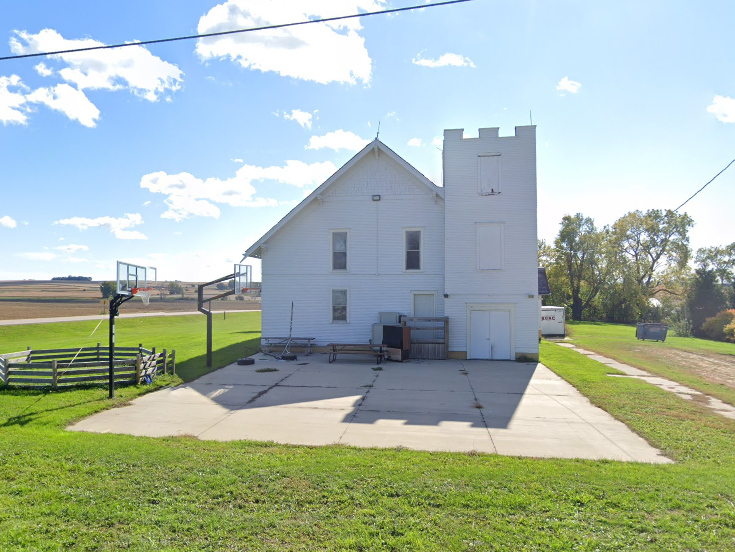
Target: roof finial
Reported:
point(378, 134)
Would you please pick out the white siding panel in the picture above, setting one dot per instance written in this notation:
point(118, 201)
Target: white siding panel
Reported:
point(515, 207)
point(297, 259)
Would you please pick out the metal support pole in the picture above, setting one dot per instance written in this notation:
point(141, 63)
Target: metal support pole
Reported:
point(117, 300)
point(208, 312)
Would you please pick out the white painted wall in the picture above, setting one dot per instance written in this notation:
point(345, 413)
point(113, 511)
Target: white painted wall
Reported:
point(515, 209)
point(297, 259)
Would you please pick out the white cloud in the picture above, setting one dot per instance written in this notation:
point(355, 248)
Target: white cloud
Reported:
point(566, 85)
point(723, 108)
point(146, 203)
point(8, 222)
point(118, 226)
point(11, 101)
point(192, 196)
point(323, 53)
point(70, 101)
point(43, 70)
point(437, 141)
point(237, 160)
point(415, 142)
point(133, 67)
point(38, 256)
point(72, 248)
point(337, 140)
point(453, 60)
point(301, 117)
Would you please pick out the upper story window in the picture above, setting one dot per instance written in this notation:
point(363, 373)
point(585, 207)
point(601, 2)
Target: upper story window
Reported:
point(340, 239)
point(488, 174)
point(414, 245)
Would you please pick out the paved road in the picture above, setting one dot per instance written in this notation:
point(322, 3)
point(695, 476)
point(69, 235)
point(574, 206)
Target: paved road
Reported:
point(100, 316)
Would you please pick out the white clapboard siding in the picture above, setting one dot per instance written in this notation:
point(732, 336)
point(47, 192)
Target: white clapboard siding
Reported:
point(297, 258)
point(515, 208)
point(296, 254)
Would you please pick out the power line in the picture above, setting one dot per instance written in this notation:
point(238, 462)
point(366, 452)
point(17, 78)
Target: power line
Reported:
point(253, 29)
point(703, 187)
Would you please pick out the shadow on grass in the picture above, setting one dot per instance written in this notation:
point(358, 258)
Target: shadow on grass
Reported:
point(196, 367)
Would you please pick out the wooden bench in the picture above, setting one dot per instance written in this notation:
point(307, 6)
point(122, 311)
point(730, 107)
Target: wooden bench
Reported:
point(356, 349)
point(270, 342)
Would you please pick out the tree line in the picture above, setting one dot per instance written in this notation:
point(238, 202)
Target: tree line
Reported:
point(640, 268)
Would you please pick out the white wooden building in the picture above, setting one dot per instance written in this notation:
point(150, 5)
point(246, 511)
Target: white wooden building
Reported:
point(378, 236)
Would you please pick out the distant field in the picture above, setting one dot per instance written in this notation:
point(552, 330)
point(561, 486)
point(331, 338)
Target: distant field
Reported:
point(56, 298)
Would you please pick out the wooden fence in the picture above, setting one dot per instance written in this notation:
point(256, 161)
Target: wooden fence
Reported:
point(64, 367)
point(429, 336)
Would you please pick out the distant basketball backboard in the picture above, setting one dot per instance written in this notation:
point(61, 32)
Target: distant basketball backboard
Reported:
point(243, 278)
point(131, 278)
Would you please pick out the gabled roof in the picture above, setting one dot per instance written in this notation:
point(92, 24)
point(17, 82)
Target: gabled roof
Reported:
point(543, 282)
point(254, 250)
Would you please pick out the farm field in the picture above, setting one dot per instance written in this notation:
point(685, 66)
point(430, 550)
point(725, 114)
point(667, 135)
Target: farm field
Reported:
point(81, 491)
point(708, 366)
point(58, 298)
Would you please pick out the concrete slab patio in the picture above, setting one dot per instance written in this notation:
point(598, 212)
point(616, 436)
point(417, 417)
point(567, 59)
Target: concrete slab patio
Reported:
point(494, 407)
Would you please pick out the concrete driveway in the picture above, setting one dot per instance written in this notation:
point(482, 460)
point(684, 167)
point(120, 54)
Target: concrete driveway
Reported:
point(506, 408)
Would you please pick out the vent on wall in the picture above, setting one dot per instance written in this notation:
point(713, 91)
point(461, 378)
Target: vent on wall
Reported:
point(488, 174)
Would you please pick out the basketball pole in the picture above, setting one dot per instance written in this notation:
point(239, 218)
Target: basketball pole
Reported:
point(115, 303)
point(208, 312)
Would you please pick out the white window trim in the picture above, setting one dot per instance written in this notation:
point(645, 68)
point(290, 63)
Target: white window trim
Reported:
point(433, 292)
point(477, 246)
point(479, 175)
point(331, 251)
point(331, 305)
point(405, 249)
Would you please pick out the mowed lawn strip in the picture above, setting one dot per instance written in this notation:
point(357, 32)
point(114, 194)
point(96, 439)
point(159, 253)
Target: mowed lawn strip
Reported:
point(76, 491)
point(234, 336)
point(618, 341)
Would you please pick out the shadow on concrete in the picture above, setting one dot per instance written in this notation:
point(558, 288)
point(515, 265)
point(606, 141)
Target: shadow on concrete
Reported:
point(423, 393)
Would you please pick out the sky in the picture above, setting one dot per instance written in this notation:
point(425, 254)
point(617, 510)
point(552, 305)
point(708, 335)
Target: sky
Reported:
point(181, 155)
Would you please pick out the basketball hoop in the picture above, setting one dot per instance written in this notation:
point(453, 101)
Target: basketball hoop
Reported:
point(144, 294)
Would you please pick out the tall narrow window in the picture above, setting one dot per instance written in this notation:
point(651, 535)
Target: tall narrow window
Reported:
point(339, 305)
point(488, 181)
point(490, 250)
point(339, 250)
point(413, 249)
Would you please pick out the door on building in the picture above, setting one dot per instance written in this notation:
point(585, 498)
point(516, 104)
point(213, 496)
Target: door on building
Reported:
point(490, 334)
point(424, 304)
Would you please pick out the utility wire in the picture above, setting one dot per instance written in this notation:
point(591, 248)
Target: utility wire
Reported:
point(703, 187)
point(223, 33)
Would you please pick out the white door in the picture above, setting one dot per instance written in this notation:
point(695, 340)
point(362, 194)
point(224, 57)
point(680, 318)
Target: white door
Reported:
point(424, 304)
point(490, 334)
point(500, 335)
point(480, 334)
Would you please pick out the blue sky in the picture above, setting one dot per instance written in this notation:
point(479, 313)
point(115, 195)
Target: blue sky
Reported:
point(181, 155)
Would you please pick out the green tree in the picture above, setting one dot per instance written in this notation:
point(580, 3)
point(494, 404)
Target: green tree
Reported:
point(175, 288)
point(705, 298)
point(584, 253)
point(654, 246)
point(108, 289)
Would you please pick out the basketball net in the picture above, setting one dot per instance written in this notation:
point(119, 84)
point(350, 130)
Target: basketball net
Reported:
point(144, 294)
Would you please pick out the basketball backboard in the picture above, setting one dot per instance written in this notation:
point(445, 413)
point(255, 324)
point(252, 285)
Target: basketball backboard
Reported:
point(243, 278)
point(130, 277)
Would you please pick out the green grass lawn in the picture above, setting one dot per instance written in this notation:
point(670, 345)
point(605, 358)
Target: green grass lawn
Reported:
point(233, 337)
point(75, 491)
point(618, 341)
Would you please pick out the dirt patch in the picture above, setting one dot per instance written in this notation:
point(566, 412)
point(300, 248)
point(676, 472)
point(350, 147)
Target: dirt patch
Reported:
point(711, 367)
